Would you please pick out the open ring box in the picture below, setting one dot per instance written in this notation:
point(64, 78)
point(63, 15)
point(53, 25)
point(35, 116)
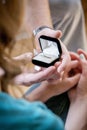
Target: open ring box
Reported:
point(50, 51)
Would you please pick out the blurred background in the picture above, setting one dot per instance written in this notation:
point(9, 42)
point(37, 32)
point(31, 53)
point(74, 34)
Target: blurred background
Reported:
point(84, 3)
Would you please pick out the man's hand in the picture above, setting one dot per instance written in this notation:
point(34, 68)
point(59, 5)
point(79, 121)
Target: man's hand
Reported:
point(65, 58)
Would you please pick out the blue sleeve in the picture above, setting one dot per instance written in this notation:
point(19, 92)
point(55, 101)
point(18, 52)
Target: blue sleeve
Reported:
point(16, 114)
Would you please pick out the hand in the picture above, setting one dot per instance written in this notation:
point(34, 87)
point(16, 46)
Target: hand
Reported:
point(64, 83)
point(65, 58)
point(24, 58)
point(52, 87)
point(31, 78)
point(80, 90)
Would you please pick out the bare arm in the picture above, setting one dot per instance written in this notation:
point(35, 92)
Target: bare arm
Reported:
point(40, 13)
point(77, 116)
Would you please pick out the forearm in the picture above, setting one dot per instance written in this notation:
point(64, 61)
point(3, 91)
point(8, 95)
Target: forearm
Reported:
point(77, 116)
point(38, 13)
point(41, 93)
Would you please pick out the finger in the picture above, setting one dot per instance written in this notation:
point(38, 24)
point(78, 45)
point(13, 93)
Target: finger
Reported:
point(50, 32)
point(30, 78)
point(72, 69)
point(57, 64)
point(72, 81)
point(63, 65)
point(65, 58)
point(58, 34)
point(26, 56)
point(80, 51)
point(43, 75)
point(74, 56)
point(55, 33)
point(74, 64)
point(82, 57)
point(83, 62)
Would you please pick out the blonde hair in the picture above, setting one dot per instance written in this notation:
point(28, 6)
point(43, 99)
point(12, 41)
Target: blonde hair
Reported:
point(11, 20)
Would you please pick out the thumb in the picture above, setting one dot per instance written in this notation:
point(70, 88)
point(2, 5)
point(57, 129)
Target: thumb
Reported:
point(50, 32)
point(73, 80)
point(57, 34)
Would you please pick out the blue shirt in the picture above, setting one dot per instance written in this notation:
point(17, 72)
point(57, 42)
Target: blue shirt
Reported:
point(19, 114)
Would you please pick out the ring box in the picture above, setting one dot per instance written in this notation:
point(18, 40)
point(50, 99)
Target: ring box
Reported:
point(50, 51)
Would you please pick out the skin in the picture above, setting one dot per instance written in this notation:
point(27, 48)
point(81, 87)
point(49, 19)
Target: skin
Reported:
point(50, 78)
point(65, 58)
point(50, 72)
point(41, 16)
point(62, 84)
point(77, 120)
point(46, 89)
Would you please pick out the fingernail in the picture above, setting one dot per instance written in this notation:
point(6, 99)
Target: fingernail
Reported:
point(82, 57)
point(37, 68)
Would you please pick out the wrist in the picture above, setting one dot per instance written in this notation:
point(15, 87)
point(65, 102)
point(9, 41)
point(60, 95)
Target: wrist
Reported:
point(41, 93)
point(80, 99)
point(39, 29)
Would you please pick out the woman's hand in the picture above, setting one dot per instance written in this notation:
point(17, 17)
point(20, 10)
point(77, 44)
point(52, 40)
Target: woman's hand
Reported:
point(77, 120)
point(52, 87)
point(24, 58)
point(35, 77)
point(80, 90)
point(64, 82)
point(82, 84)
